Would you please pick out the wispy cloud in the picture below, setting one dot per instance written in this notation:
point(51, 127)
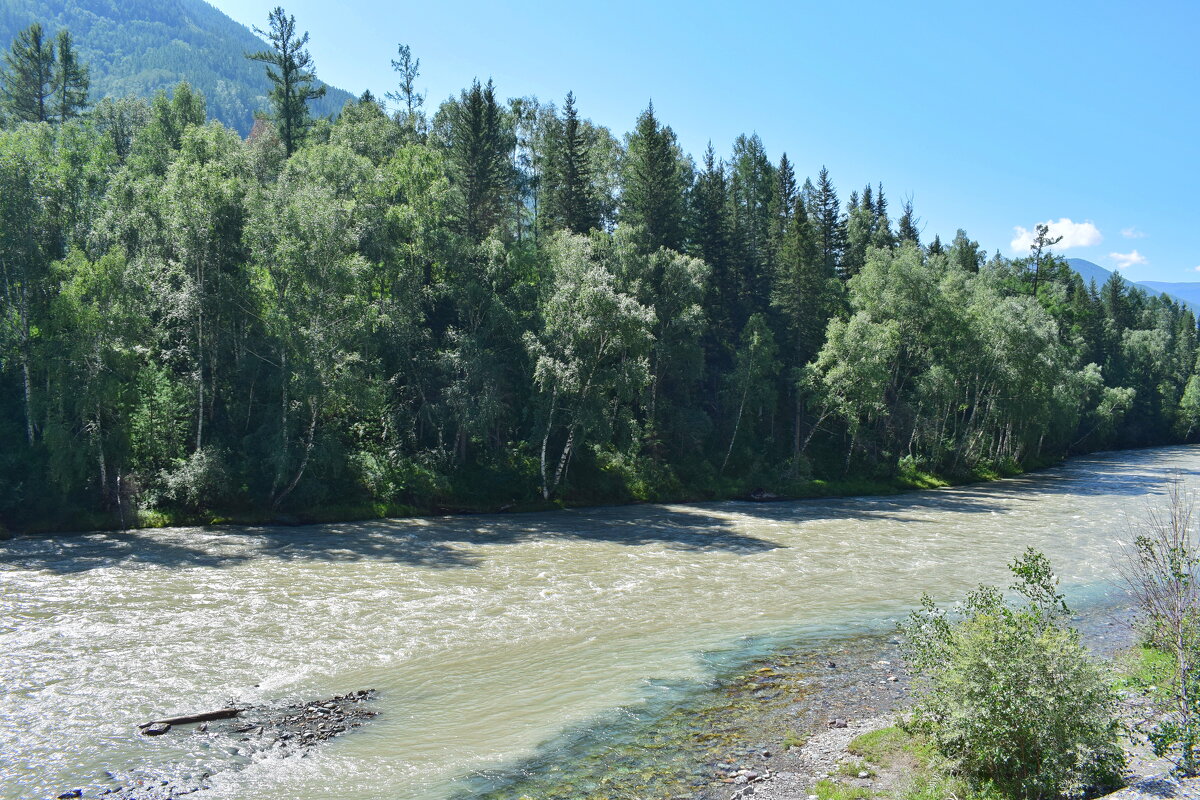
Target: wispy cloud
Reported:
point(1132, 233)
point(1074, 234)
point(1197, 268)
point(1127, 260)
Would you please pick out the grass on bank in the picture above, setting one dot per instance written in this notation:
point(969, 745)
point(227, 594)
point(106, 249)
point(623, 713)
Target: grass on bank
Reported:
point(902, 766)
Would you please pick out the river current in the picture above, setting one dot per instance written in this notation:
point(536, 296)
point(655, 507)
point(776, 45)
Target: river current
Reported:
point(487, 636)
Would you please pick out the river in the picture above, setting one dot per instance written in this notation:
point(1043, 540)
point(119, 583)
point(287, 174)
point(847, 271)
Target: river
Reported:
point(487, 636)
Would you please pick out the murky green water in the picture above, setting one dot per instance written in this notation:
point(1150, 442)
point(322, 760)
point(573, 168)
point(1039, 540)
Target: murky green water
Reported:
point(487, 636)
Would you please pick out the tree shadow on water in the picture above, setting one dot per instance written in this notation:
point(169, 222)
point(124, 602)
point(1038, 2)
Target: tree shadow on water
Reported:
point(464, 542)
point(434, 543)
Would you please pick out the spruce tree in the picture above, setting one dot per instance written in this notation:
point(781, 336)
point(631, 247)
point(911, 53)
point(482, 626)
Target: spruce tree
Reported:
point(827, 219)
point(655, 185)
point(71, 80)
point(881, 226)
point(782, 206)
point(752, 190)
point(570, 201)
point(908, 225)
point(28, 76)
point(711, 242)
point(480, 169)
point(289, 67)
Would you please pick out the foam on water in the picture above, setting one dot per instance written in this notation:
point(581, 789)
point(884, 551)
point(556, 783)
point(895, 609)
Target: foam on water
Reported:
point(486, 636)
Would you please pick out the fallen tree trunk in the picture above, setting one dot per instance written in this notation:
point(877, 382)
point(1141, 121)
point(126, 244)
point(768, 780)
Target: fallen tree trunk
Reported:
point(222, 713)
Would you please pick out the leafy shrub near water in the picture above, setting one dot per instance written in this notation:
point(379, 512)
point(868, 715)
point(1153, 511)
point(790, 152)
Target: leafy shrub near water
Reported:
point(1008, 694)
point(1162, 571)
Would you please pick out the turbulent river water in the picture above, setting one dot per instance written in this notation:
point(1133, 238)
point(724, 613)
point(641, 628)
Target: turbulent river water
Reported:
point(487, 636)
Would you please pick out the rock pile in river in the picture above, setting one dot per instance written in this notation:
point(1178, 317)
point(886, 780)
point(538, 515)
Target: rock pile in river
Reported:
point(249, 733)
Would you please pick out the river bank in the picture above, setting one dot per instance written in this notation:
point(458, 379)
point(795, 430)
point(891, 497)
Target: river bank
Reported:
point(909, 480)
point(828, 762)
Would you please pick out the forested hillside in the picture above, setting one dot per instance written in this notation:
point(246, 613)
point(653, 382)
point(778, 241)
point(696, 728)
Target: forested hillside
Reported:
point(503, 304)
point(137, 47)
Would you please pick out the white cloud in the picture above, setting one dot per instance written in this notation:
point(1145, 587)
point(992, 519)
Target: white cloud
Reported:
point(1127, 260)
point(1074, 234)
point(1132, 233)
point(1197, 269)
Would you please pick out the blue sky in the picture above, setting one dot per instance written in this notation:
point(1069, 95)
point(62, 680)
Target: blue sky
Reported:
point(990, 116)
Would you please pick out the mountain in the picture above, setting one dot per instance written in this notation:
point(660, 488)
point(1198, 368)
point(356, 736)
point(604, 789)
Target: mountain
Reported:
point(136, 47)
point(1089, 271)
point(1186, 293)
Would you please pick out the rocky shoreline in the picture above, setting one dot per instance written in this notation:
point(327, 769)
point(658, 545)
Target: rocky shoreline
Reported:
point(251, 733)
point(865, 689)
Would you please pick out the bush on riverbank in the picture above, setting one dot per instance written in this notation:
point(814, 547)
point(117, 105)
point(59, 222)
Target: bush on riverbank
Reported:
point(1162, 570)
point(1009, 697)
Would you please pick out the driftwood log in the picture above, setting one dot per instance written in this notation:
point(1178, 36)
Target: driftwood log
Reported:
point(186, 719)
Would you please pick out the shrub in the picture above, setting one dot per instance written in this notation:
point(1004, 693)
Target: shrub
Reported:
point(1162, 570)
point(1009, 696)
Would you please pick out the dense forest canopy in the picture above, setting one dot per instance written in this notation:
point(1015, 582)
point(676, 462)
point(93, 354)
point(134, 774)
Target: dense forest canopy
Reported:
point(136, 47)
point(500, 303)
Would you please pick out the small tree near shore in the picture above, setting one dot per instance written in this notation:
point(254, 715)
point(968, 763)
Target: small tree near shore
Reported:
point(1162, 569)
point(1009, 696)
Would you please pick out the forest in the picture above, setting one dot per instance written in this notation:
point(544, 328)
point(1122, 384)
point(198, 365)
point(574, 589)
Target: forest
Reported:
point(135, 47)
point(498, 304)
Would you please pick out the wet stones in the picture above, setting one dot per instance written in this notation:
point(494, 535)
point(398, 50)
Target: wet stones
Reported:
point(257, 732)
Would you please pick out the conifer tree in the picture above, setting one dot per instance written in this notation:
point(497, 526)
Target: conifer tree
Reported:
point(908, 225)
point(964, 253)
point(480, 167)
point(655, 184)
point(28, 76)
point(570, 199)
point(290, 69)
point(409, 68)
point(711, 237)
point(881, 226)
point(827, 218)
point(71, 80)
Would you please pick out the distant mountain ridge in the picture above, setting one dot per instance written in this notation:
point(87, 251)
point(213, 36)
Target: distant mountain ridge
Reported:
point(136, 47)
point(1186, 293)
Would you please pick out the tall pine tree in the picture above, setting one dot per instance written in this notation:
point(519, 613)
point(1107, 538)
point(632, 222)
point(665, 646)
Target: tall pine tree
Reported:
point(28, 76)
point(826, 215)
point(569, 197)
point(289, 67)
point(655, 183)
point(479, 160)
point(71, 80)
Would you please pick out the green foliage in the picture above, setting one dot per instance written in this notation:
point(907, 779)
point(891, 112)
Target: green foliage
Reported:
point(1147, 669)
point(887, 746)
point(654, 181)
point(831, 790)
point(290, 70)
point(27, 79)
point(790, 739)
point(139, 47)
point(502, 306)
point(1162, 570)
point(1009, 696)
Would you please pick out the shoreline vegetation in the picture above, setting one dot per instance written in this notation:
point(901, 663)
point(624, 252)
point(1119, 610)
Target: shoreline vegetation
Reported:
point(911, 481)
point(500, 304)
